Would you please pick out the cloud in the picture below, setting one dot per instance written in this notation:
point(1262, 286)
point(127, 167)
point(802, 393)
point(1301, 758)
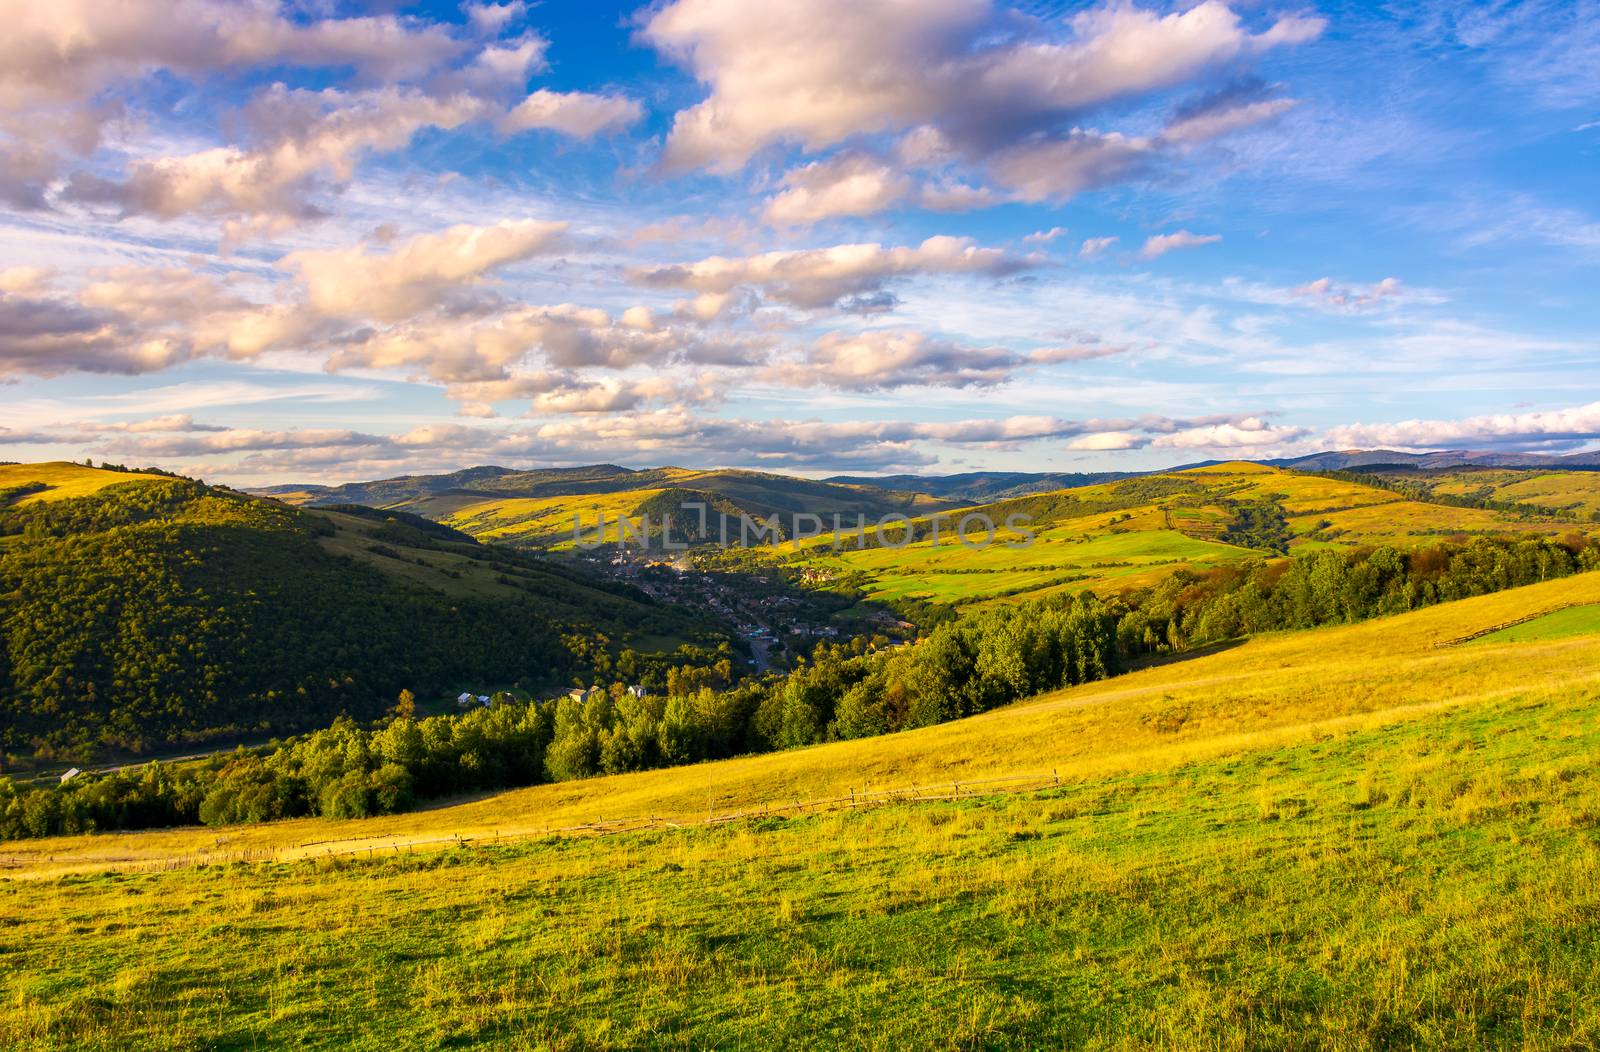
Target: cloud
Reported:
point(1044, 237)
point(305, 136)
point(71, 51)
point(1324, 292)
point(50, 336)
point(1095, 247)
point(1245, 433)
point(494, 18)
point(890, 358)
point(58, 63)
point(1215, 123)
point(419, 273)
point(956, 197)
point(1073, 353)
point(1062, 168)
point(1161, 244)
point(847, 185)
point(812, 279)
point(579, 114)
point(1551, 428)
point(819, 73)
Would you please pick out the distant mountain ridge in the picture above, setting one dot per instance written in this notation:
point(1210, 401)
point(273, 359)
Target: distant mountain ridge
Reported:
point(789, 492)
point(1344, 460)
point(983, 486)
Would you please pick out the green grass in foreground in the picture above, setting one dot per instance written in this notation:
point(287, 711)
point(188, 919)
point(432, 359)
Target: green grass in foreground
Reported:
point(1560, 624)
point(1427, 884)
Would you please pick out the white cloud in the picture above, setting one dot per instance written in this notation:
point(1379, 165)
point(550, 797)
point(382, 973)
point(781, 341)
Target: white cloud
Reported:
point(820, 72)
point(1324, 292)
point(1044, 237)
point(1541, 428)
point(580, 114)
point(419, 273)
point(1095, 247)
point(821, 277)
point(890, 358)
point(846, 185)
point(306, 135)
point(1161, 244)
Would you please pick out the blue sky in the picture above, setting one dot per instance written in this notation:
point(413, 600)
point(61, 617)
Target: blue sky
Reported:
point(319, 241)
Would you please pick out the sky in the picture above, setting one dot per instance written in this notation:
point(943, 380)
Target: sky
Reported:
point(267, 242)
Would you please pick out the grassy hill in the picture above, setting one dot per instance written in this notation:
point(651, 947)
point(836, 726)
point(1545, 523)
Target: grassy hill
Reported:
point(1576, 493)
point(1132, 532)
point(149, 610)
point(982, 487)
point(1362, 836)
point(548, 521)
point(23, 484)
point(536, 508)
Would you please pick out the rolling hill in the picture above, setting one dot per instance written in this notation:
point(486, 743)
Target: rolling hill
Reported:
point(1358, 836)
point(1572, 493)
point(139, 610)
point(982, 487)
point(537, 508)
point(1134, 531)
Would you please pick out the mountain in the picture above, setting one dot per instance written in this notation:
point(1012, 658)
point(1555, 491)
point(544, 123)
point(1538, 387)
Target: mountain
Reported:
point(1132, 532)
point(979, 487)
point(138, 611)
point(537, 507)
point(1345, 460)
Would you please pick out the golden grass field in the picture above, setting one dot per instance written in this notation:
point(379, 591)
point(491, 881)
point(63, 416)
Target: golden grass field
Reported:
point(1578, 491)
point(1358, 837)
point(1140, 543)
point(1266, 693)
point(64, 478)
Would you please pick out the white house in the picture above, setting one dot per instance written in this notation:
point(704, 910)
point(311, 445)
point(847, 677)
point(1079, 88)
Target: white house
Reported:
point(69, 774)
point(465, 699)
point(639, 691)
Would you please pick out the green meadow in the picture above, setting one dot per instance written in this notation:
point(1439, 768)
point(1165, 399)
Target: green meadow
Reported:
point(1559, 624)
point(1356, 837)
point(1429, 884)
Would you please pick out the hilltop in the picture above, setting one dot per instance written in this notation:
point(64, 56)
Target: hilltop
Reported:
point(142, 610)
point(537, 508)
point(1132, 532)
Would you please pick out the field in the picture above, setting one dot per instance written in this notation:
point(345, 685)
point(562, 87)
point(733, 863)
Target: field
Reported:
point(1575, 491)
point(1559, 624)
point(495, 508)
point(1288, 843)
point(1133, 532)
point(544, 522)
point(62, 480)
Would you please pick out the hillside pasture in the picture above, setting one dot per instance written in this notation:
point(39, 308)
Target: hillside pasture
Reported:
point(1345, 838)
point(62, 480)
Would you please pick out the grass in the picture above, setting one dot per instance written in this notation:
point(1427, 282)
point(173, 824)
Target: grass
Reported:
point(1267, 693)
point(1345, 838)
point(1560, 624)
point(1112, 536)
point(1577, 491)
point(64, 479)
point(1366, 879)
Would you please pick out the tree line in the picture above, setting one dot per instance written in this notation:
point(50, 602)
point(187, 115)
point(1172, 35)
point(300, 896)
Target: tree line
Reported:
point(961, 667)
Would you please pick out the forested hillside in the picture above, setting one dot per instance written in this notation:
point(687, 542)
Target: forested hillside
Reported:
point(161, 611)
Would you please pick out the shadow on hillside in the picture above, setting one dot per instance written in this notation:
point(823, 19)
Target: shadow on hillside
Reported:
point(1158, 660)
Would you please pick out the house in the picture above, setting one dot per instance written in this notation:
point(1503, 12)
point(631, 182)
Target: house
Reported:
point(578, 694)
point(639, 691)
point(69, 774)
point(465, 699)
